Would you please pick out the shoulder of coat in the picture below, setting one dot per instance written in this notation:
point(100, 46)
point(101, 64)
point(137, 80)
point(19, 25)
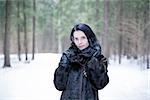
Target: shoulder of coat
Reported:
point(68, 53)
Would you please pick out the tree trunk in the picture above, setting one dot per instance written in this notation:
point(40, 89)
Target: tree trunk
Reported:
point(148, 67)
point(25, 32)
point(18, 31)
point(97, 16)
point(34, 20)
point(7, 34)
point(120, 48)
point(128, 48)
point(146, 32)
point(120, 17)
point(59, 44)
point(106, 28)
point(148, 37)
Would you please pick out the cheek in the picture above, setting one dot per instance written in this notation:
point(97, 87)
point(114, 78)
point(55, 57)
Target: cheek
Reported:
point(87, 43)
point(75, 42)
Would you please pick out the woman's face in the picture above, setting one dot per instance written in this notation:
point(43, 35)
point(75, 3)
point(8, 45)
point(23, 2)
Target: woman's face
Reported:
point(80, 39)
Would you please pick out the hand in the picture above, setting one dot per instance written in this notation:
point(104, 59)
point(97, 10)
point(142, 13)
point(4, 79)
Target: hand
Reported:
point(79, 60)
point(74, 62)
point(74, 59)
point(103, 63)
point(103, 60)
point(98, 64)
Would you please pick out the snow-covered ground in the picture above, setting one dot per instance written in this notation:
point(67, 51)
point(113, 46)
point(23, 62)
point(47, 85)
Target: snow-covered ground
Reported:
point(34, 80)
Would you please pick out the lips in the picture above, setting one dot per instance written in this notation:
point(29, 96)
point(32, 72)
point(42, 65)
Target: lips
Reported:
point(81, 46)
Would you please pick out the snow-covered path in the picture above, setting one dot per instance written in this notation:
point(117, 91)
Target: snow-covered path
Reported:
point(34, 81)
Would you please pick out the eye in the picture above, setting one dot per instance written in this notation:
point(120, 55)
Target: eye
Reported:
point(75, 38)
point(83, 37)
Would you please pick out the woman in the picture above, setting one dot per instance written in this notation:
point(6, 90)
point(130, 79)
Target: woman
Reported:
point(82, 69)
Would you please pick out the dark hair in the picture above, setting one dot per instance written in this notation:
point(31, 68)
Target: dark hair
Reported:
point(87, 30)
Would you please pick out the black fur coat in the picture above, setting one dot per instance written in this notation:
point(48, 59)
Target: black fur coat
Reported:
point(81, 73)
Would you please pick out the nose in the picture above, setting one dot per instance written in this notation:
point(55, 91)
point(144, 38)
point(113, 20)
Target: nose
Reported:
point(80, 41)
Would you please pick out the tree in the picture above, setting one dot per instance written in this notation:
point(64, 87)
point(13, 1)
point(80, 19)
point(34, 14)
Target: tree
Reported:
point(2, 24)
point(146, 31)
point(8, 8)
point(106, 28)
point(18, 30)
point(25, 31)
point(34, 25)
point(121, 31)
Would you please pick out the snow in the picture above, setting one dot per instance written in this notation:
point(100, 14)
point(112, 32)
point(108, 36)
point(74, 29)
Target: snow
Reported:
point(33, 80)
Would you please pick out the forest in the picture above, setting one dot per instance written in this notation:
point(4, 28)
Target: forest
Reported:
point(44, 26)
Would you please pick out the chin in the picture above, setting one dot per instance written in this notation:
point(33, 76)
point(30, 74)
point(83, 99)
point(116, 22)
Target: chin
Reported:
point(82, 48)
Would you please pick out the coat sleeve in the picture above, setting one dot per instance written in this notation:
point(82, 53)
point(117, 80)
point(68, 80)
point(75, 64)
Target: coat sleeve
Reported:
point(61, 73)
point(97, 73)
